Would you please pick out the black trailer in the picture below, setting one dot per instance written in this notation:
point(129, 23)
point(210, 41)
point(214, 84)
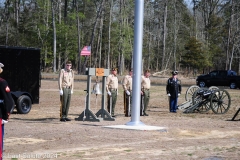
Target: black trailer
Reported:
point(23, 74)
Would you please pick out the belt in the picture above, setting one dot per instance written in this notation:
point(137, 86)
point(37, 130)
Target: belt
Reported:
point(68, 87)
point(113, 89)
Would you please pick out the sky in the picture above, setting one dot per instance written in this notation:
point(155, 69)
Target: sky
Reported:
point(188, 3)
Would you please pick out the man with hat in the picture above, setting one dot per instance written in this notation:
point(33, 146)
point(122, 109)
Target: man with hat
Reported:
point(145, 92)
point(112, 90)
point(173, 89)
point(127, 90)
point(6, 105)
point(65, 84)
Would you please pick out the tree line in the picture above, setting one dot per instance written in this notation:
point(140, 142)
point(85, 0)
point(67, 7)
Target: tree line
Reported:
point(191, 39)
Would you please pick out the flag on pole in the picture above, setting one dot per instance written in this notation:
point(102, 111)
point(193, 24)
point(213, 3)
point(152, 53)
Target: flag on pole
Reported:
point(86, 51)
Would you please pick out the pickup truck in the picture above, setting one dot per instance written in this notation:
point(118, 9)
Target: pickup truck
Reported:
point(219, 78)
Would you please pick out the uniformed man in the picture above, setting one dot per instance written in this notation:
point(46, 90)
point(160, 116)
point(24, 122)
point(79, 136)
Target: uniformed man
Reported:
point(145, 92)
point(65, 83)
point(112, 90)
point(6, 105)
point(173, 89)
point(127, 92)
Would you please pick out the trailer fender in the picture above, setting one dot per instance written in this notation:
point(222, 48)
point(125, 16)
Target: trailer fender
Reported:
point(17, 94)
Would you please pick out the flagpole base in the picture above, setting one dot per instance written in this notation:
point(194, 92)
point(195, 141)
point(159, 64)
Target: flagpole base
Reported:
point(135, 123)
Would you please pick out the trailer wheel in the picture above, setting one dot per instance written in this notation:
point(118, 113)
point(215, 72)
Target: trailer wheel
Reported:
point(24, 104)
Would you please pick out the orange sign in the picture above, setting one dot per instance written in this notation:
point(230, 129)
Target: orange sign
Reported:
point(99, 71)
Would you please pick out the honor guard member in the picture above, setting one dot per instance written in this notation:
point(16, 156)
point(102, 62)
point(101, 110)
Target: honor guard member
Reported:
point(6, 105)
point(127, 92)
point(145, 92)
point(112, 90)
point(65, 82)
point(173, 91)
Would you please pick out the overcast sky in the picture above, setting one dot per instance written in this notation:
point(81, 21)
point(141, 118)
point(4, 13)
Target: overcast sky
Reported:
point(188, 2)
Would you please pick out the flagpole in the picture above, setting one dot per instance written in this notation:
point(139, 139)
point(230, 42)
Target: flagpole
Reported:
point(137, 63)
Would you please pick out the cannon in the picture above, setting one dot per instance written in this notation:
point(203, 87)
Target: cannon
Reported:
point(204, 99)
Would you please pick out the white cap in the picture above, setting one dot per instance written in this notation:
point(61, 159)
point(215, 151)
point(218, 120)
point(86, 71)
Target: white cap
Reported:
point(1, 65)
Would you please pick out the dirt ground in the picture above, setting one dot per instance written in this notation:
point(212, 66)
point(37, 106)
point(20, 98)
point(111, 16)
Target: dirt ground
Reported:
point(40, 135)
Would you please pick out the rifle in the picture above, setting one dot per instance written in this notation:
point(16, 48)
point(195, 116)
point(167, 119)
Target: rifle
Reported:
point(61, 105)
point(110, 107)
point(129, 103)
point(142, 109)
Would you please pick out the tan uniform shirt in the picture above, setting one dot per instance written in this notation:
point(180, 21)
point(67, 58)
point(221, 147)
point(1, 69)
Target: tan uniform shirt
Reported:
point(127, 83)
point(146, 83)
point(112, 82)
point(66, 79)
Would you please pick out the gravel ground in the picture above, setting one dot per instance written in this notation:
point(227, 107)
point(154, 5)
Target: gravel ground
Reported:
point(40, 135)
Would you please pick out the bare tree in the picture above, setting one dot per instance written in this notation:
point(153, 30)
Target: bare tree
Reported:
point(54, 37)
point(109, 33)
point(99, 12)
point(164, 35)
point(79, 38)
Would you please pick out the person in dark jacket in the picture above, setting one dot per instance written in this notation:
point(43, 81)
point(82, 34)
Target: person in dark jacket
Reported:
point(6, 104)
point(173, 91)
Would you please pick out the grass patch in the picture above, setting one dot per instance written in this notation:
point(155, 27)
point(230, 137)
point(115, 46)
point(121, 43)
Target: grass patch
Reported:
point(190, 154)
point(128, 150)
point(77, 155)
point(217, 149)
point(232, 149)
point(191, 115)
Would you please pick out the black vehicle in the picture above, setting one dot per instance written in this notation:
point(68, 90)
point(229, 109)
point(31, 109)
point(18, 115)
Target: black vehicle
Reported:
point(219, 78)
point(22, 72)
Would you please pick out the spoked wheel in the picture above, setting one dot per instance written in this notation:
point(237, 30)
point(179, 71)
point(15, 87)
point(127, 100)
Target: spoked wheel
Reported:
point(220, 101)
point(212, 88)
point(190, 91)
point(198, 98)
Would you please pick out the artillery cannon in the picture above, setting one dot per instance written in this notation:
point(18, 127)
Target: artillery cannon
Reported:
point(205, 99)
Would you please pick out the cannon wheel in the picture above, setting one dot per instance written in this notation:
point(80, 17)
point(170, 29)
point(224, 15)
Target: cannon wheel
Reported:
point(207, 106)
point(220, 101)
point(212, 88)
point(190, 91)
point(197, 99)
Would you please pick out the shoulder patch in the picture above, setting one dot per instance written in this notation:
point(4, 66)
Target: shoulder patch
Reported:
point(7, 89)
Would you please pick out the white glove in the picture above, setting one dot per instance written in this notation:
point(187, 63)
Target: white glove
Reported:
point(179, 94)
point(61, 92)
point(127, 92)
point(109, 93)
point(72, 92)
point(169, 94)
point(4, 121)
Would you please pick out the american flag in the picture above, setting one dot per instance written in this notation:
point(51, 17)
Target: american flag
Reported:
point(86, 51)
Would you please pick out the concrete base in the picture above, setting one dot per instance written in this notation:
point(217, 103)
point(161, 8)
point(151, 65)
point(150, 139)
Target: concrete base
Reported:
point(140, 127)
